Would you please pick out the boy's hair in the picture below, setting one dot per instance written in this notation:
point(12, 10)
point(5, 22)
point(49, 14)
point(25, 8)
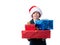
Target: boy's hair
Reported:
point(35, 12)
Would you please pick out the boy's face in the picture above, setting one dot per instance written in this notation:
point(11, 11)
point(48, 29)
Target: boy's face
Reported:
point(36, 15)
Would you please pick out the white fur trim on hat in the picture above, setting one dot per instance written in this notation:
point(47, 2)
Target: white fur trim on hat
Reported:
point(35, 9)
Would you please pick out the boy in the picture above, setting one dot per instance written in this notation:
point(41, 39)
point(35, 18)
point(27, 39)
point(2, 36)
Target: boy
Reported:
point(35, 13)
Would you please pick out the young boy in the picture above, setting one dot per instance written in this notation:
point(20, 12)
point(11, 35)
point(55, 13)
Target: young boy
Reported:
point(35, 14)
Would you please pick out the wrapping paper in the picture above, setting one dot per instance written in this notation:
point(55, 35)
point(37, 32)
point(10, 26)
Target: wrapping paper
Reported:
point(36, 34)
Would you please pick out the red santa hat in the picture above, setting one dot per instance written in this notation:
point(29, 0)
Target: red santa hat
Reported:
point(33, 9)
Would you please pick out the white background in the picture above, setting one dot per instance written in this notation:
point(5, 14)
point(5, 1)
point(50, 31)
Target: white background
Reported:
point(14, 15)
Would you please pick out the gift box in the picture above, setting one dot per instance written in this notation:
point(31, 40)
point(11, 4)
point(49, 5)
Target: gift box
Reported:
point(44, 24)
point(30, 27)
point(51, 24)
point(36, 34)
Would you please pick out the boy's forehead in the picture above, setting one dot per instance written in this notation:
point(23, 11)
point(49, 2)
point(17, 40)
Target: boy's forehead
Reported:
point(36, 12)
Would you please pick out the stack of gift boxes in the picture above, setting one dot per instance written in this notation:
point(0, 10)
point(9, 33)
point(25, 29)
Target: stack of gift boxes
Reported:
point(41, 29)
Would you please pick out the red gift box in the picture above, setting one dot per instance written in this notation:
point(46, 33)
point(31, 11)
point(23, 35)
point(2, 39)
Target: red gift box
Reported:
point(30, 27)
point(36, 34)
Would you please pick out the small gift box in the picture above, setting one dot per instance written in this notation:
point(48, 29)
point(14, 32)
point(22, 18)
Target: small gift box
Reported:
point(30, 27)
point(44, 24)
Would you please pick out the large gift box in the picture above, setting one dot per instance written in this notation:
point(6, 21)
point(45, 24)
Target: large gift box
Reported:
point(36, 34)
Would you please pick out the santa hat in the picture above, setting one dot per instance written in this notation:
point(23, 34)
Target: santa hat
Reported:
point(33, 9)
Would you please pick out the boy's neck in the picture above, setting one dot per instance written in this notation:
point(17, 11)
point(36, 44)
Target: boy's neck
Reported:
point(35, 19)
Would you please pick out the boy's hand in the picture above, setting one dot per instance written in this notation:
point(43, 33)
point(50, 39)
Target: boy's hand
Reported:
point(35, 30)
point(29, 39)
point(28, 23)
